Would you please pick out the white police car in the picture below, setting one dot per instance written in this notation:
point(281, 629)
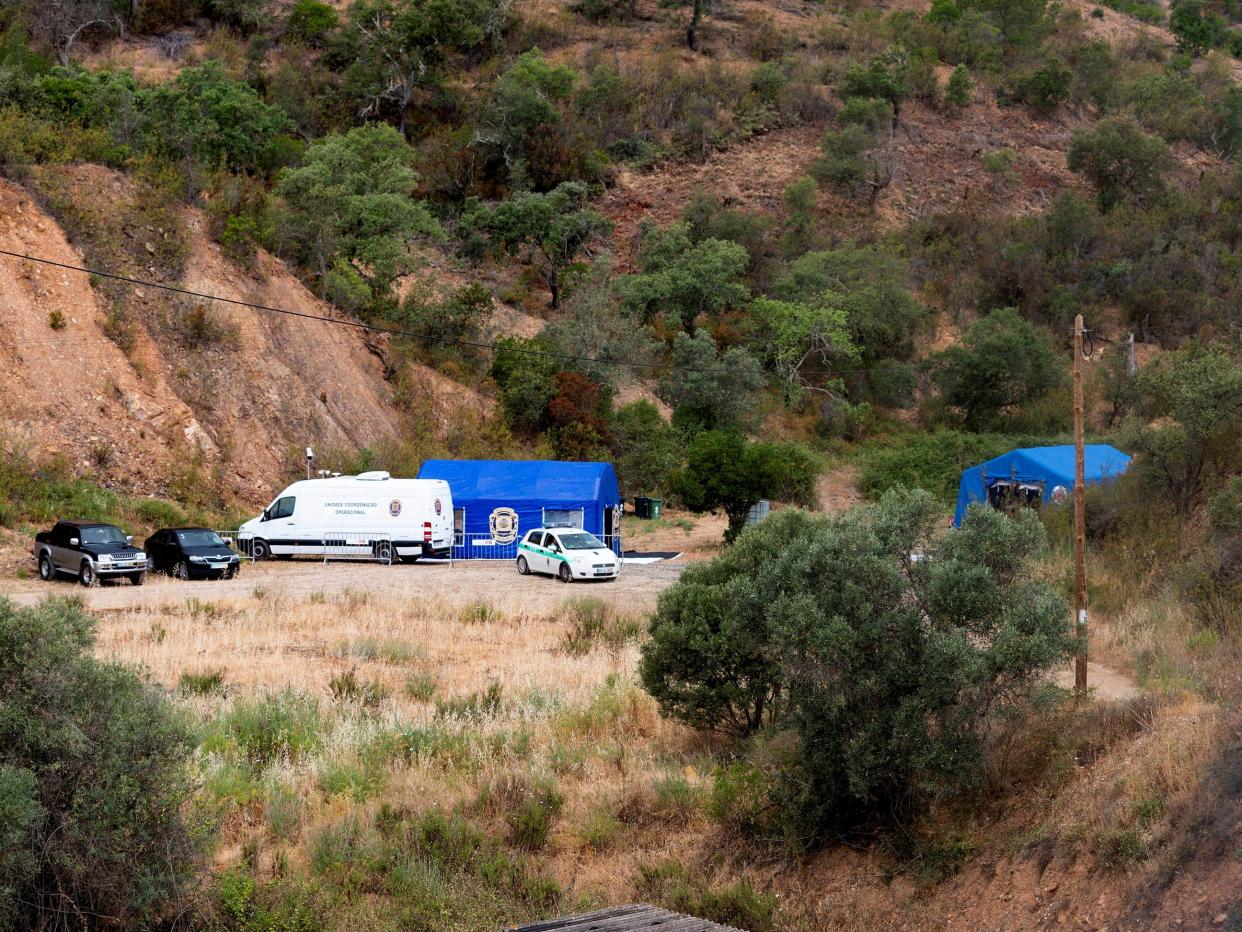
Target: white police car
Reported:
point(567, 553)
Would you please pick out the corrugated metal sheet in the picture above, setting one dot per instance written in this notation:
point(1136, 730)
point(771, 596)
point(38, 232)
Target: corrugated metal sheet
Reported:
point(625, 919)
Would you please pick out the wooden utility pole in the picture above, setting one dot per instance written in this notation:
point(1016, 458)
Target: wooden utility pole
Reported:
point(1080, 521)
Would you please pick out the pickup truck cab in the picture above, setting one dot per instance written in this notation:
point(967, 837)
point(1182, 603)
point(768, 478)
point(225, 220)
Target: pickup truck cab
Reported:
point(91, 551)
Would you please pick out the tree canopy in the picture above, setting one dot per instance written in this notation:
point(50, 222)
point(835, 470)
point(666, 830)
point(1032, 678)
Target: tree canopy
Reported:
point(349, 214)
point(1001, 363)
point(884, 650)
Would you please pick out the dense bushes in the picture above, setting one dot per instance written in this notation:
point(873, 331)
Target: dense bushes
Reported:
point(812, 627)
point(724, 471)
point(1002, 364)
point(91, 779)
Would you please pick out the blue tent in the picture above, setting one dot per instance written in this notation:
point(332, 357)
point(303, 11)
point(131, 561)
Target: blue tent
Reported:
point(495, 502)
point(1036, 472)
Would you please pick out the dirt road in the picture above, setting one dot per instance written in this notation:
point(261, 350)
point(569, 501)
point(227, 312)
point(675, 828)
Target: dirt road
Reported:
point(496, 583)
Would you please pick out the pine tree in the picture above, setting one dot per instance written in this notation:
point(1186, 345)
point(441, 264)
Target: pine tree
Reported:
point(960, 88)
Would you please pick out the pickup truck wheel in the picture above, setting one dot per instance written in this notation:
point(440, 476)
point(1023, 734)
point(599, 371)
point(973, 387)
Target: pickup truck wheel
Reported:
point(523, 567)
point(47, 572)
point(137, 579)
point(182, 570)
point(565, 574)
point(260, 550)
point(86, 575)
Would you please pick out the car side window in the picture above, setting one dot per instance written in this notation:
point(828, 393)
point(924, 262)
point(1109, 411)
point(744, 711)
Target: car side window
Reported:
point(60, 534)
point(536, 538)
point(284, 507)
point(552, 543)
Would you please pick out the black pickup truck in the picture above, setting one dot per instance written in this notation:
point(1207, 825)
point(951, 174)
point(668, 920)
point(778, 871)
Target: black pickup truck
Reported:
point(90, 551)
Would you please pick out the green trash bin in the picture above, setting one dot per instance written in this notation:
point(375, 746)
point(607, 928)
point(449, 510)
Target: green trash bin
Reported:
point(653, 507)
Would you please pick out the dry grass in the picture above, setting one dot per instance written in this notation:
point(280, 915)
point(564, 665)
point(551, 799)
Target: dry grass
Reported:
point(577, 719)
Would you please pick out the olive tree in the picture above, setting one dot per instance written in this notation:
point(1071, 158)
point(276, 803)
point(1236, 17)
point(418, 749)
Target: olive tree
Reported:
point(547, 231)
point(92, 780)
point(726, 472)
point(1002, 363)
point(683, 279)
point(1193, 400)
point(348, 214)
point(882, 646)
point(402, 47)
point(1120, 161)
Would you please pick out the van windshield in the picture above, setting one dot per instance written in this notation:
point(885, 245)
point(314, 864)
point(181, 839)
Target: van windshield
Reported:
point(581, 541)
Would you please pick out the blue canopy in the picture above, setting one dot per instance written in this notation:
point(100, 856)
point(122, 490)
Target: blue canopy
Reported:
point(1044, 467)
point(497, 501)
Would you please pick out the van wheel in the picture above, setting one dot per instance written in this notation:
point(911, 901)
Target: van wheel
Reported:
point(523, 566)
point(383, 552)
point(86, 576)
point(260, 550)
point(47, 572)
point(564, 574)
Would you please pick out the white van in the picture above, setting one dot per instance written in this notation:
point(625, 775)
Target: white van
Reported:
point(371, 514)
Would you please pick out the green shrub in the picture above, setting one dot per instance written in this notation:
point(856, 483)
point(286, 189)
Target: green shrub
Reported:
point(725, 471)
point(477, 705)
point(1002, 364)
point(346, 687)
point(672, 885)
point(311, 21)
point(933, 462)
point(421, 687)
point(157, 513)
point(812, 626)
point(530, 821)
point(676, 799)
point(92, 778)
point(592, 621)
point(601, 829)
point(359, 780)
point(207, 683)
point(274, 725)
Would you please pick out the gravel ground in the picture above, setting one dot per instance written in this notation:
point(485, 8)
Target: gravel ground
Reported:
point(495, 582)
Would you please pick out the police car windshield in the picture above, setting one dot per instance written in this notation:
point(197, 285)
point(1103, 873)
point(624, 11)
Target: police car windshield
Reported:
point(102, 535)
point(199, 539)
point(581, 541)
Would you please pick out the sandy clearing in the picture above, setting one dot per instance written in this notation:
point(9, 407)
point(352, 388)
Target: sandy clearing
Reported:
point(494, 582)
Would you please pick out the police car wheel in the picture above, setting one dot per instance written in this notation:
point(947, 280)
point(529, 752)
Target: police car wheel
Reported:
point(523, 567)
point(564, 573)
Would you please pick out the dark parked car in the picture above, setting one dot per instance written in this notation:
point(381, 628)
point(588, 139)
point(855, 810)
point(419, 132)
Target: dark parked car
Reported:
point(89, 550)
point(192, 553)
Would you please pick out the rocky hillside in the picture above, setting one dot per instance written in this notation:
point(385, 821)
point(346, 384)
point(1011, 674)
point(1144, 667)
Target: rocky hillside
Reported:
point(235, 391)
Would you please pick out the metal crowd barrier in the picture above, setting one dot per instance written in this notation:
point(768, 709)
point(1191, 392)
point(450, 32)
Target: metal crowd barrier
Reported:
point(359, 545)
point(486, 547)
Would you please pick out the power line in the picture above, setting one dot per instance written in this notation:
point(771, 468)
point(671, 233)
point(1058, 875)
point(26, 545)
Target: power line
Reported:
point(375, 328)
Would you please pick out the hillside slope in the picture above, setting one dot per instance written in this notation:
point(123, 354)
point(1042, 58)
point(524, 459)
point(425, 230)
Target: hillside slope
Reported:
point(241, 391)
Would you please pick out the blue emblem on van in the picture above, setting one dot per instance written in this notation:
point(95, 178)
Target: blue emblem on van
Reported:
point(394, 507)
